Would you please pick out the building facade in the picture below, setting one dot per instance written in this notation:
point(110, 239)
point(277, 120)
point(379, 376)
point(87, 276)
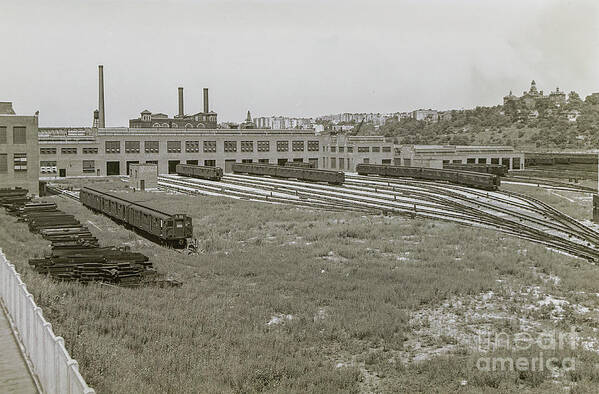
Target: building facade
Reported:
point(111, 151)
point(343, 153)
point(19, 153)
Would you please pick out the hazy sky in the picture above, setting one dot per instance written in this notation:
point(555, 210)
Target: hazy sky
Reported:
point(288, 57)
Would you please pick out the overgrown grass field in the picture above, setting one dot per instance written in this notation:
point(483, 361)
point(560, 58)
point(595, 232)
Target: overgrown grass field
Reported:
point(283, 299)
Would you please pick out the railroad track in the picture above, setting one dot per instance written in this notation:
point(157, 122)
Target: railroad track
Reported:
point(511, 213)
point(547, 183)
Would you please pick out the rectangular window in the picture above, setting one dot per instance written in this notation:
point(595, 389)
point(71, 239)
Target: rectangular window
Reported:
point(282, 146)
point(151, 146)
point(48, 167)
point(47, 151)
point(341, 149)
point(68, 151)
point(333, 162)
point(297, 146)
point(247, 146)
point(210, 163)
point(90, 151)
point(350, 149)
point(386, 149)
point(20, 162)
point(3, 163)
point(230, 146)
point(263, 161)
point(19, 135)
point(386, 161)
point(333, 149)
point(3, 135)
point(246, 160)
point(209, 146)
point(131, 146)
point(192, 146)
point(313, 146)
point(89, 166)
point(113, 146)
point(263, 146)
point(363, 149)
point(376, 149)
point(173, 146)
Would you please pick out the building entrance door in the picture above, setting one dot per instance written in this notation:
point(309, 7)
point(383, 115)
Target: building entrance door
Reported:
point(62, 172)
point(142, 184)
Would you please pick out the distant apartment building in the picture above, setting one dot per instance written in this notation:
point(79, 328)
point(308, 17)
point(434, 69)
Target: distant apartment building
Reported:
point(283, 123)
point(427, 115)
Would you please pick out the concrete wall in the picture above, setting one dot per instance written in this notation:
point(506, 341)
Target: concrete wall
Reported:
point(12, 177)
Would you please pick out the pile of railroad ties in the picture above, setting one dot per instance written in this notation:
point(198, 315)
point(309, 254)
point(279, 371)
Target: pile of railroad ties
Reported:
point(76, 254)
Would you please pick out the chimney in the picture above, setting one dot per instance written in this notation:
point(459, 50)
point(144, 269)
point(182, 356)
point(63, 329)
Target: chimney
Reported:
point(206, 107)
point(102, 119)
point(181, 111)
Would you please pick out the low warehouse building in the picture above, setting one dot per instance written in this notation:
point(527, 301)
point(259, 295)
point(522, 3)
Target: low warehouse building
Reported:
point(435, 156)
point(143, 176)
point(112, 151)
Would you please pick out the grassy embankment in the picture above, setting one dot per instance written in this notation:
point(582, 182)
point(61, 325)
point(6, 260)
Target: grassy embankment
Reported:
point(339, 291)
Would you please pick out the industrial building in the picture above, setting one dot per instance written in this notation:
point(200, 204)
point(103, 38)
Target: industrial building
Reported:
point(27, 152)
point(436, 155)
point(343, 152)
point(19, 154)
point(200, 120)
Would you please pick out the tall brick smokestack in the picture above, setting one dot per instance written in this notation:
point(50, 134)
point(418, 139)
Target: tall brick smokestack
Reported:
point(206, 107)
point(102, 118)
point(181, 109)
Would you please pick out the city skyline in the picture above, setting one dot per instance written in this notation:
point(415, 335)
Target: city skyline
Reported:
point(296, 59)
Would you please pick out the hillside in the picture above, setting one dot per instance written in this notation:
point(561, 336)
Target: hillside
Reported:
point(573, 125)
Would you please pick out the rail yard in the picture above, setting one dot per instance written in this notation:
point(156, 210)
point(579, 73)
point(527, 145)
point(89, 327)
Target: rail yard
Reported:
point(512, 213)
point(363, 198)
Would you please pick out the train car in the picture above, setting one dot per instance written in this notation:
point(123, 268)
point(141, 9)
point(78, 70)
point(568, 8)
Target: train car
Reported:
point(165, 228)
point(299, 173)
point(301, 164)
point(497, 169)
point(203, 172)
point(468, 178)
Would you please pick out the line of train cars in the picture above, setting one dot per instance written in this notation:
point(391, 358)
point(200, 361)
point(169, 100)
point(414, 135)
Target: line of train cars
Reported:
point(497, 169)
point(169, 229)
point(467, 178)
point(290, 171)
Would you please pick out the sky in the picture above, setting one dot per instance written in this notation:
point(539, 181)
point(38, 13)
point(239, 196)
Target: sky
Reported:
point(288, 57)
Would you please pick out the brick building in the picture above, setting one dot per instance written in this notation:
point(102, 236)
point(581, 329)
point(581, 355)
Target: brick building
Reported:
point(19, 153)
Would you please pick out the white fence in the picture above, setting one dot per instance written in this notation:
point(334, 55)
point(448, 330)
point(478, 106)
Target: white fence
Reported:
point(57, 372)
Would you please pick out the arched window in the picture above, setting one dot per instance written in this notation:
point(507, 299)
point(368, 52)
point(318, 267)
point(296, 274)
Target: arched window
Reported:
point(201, 126)
point(156, 125)
point(174, 125)
point(188, 126)
point(165, 125)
